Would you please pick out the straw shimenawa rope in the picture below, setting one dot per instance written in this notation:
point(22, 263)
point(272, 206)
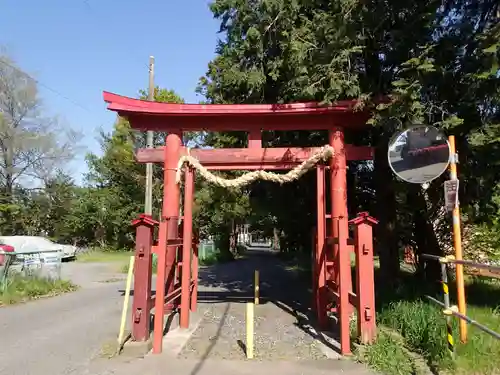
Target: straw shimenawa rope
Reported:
point(323, 154)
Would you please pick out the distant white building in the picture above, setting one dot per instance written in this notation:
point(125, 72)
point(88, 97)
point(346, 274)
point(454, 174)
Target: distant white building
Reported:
point(244, 235)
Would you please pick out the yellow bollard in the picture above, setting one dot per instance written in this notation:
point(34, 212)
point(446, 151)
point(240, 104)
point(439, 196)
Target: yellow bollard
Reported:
point(256, 287)
point(125, 302)
point(249, 322)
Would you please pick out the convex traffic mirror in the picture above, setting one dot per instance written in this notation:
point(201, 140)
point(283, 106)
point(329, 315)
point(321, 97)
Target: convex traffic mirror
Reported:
point(419, 154)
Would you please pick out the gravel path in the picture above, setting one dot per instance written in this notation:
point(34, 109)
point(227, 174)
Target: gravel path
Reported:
point(280, 329)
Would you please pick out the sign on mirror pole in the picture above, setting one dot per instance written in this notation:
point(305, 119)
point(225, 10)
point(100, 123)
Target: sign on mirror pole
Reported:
point(451, 194)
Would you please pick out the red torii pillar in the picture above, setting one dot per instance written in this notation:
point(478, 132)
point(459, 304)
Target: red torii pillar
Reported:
point(187, 246)
point(168, 231)
point(340, 230)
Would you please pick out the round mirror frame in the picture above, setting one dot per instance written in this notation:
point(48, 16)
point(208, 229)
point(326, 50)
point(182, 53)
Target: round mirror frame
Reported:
point(425, 179)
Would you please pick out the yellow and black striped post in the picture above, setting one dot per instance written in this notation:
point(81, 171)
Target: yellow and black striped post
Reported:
point(447, 309)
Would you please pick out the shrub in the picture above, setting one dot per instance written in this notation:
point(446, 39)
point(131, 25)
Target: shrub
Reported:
point(216, 257)
point(422, 325)
point(387, 356)
point(20, 288)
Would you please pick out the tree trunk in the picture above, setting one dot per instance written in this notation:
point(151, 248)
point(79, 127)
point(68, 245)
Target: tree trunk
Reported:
point(425, 237)
point(7, 197)
point(387, 239)
point(276, 239)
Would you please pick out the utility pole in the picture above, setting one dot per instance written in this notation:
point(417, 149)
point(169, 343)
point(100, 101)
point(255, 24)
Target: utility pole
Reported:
point(148, 201)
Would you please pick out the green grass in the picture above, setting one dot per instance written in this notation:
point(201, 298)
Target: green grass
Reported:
point(388, 356)
point(412, 332)
point(125, 267)
point(211, 259)
point(481, 355)
point(21, 288)
point(104, 256)
point(215, 257)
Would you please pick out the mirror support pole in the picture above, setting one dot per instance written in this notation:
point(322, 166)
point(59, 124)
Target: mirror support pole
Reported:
point(457, 244)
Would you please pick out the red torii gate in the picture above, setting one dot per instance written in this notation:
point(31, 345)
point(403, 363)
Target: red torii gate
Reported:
point(331, 269)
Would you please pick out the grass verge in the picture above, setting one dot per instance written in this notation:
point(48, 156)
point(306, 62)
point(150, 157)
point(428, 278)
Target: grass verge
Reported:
point(124, 268)
point(215, 257)
point(211, 259)
point(412, 338)
point(21, 288)
point(103, 256)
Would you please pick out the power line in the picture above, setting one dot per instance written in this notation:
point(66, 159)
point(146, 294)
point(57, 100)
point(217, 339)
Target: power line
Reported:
point(38, 82)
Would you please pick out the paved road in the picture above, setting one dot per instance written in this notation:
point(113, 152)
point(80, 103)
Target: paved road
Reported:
point(165, 365)
point(283, 340)
point(417, 175)
point(61, 335)
point(64, 335)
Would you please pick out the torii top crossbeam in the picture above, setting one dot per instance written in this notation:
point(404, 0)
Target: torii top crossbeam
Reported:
point(146, 115)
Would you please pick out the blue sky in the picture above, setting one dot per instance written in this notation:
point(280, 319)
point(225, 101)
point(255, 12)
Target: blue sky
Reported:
point(79, 48)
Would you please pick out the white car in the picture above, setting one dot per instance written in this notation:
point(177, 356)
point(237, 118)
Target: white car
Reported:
point(37, 244)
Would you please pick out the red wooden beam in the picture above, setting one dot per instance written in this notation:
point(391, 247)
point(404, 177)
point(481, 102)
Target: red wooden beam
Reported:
point(146, 115)
point(232, 122)
point(255, 158)
point(126, 104)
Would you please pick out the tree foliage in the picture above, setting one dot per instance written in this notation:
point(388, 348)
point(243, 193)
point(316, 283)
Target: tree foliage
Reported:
point(436, 62)
point(407, 62)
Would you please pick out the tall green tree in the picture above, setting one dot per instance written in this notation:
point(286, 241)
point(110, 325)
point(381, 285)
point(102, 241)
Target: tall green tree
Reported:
point(423, 56)
point(117, 182)
point(33, 146)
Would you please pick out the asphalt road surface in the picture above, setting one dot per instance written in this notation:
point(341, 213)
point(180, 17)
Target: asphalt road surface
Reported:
point(64, 335)
point(61, 335)
point(416, 175)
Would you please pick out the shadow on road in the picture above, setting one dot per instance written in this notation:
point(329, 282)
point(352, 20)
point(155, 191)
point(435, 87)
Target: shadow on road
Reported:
point(205, 355)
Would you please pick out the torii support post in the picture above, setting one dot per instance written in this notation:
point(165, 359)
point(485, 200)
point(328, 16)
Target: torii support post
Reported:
point(319, 287)
point(178, 264)
point(365, 280)
point(194, 274)
point(168, 232)
point(171, 203)
point(141, 305)
point(340, 230)
point(314, 266)
point(187, 238)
